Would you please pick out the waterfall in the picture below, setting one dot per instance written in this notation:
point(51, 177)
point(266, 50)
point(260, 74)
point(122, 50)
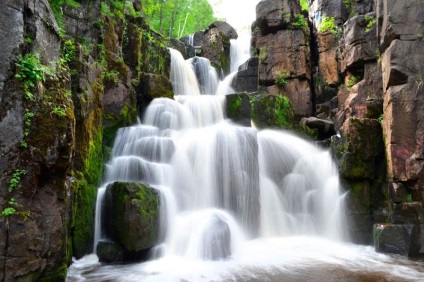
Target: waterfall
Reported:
point(236, 204)
point(205, 73)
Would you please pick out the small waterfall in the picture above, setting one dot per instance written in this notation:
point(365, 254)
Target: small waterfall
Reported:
point(239, 51)
point(183, 77)
point(206, 75)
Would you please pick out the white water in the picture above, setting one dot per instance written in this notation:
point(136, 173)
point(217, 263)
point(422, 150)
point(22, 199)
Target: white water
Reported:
point(237, 204)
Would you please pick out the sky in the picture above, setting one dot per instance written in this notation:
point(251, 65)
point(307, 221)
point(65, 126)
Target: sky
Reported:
point(238, 13)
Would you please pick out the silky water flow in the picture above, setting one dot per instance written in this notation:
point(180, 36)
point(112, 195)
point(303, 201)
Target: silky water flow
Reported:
point(237, 204)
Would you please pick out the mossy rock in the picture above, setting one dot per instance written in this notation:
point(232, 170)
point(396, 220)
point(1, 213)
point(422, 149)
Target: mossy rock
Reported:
point(135, 215)
point(238, 108)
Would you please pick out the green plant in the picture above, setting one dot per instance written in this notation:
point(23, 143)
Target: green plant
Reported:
point(31, 71)
point(370, 22)
point(351, 81)
point(16, 179)
point(304, 5)
point(283, 110)
point(328, 24)
point(281, 78)
point(299, 22)
point(111, 76)
point(347, 4)
point(7, 212)
point(380, 118)
point(59, 111)
point(409, 198)
point(56, 6)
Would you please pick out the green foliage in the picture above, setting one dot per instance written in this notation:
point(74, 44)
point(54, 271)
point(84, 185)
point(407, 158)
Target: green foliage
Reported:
point(328, 24)
point(57, 5)
point(351, 81)
point(281, 78)
point(409, 198)
point(111, 76)
point(176, 18)
point(304, 5)
point(299, 22)
point(347, 4)
point(68, 51)
point(7, 212)
point(16, 179)
point(380, 118)
point(59, 111)
point(283, 111)
point(370, 22)
point(31, 71)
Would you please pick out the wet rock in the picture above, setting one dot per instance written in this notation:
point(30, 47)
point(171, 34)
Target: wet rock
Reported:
point(396, 239)
point(109, 252)
point(357, 149)
point(398, 193)
point(217, 240)
point(271, 111)
point(135, 215)
point(238, 108)
point(246, 79)
point(407, 213)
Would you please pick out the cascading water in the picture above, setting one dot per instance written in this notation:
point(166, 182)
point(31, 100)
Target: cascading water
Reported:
point(236, 204)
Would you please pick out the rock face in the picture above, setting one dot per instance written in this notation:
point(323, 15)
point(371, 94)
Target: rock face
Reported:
point(216, 45)
point(396, 239)
point(246, 79)
point(280, 37)
point(51, 160)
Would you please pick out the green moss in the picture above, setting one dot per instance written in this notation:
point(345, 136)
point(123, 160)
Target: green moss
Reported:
point(234, 106)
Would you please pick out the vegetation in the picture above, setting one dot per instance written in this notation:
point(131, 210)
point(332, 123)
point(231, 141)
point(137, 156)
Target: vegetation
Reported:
point(304, 4)
point(57, 5)
point(176, 18)
point(370, 22)
point(299, 22)
point(328, 24)
point(281, 78)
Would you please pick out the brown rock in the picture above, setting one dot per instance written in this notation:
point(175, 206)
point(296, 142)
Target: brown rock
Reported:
point(327, 62)
point(272, 15)
point(284, 52)
point(154, 86)
point(216, 48)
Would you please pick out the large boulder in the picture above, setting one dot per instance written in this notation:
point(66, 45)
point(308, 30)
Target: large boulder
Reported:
point(216, 45)
point(238, 108)
point(396, 238)
point(154, 86)
point(135, 215)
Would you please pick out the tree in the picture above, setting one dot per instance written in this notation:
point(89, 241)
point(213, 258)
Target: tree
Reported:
point(176, 18)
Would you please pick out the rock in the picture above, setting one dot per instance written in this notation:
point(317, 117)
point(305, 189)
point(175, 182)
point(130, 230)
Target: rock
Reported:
point(299, 93)
point(217, 240)
point(398, 193)
point(407, 213)
point(246, 79)
point(328, 64)
point(325, 127)
point(357, 150)
point(398, 20)
point(154, 86)
point(224, 28)
point(271, 111)
point(109, 252)
point(12, 34)
point(136, 215)
point(238, 108)
point(216, 48)
point(360, 41)
point(274, 15)
point(186, 50)
point(284, 52)
point(396, 239)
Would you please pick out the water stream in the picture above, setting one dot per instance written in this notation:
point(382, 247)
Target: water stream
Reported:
point(236, 204)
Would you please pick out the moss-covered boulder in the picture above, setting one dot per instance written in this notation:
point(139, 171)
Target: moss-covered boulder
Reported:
point(135, 215)
point(109, 252)
point(271, 111)
point(238, 108)
point(154, 86)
